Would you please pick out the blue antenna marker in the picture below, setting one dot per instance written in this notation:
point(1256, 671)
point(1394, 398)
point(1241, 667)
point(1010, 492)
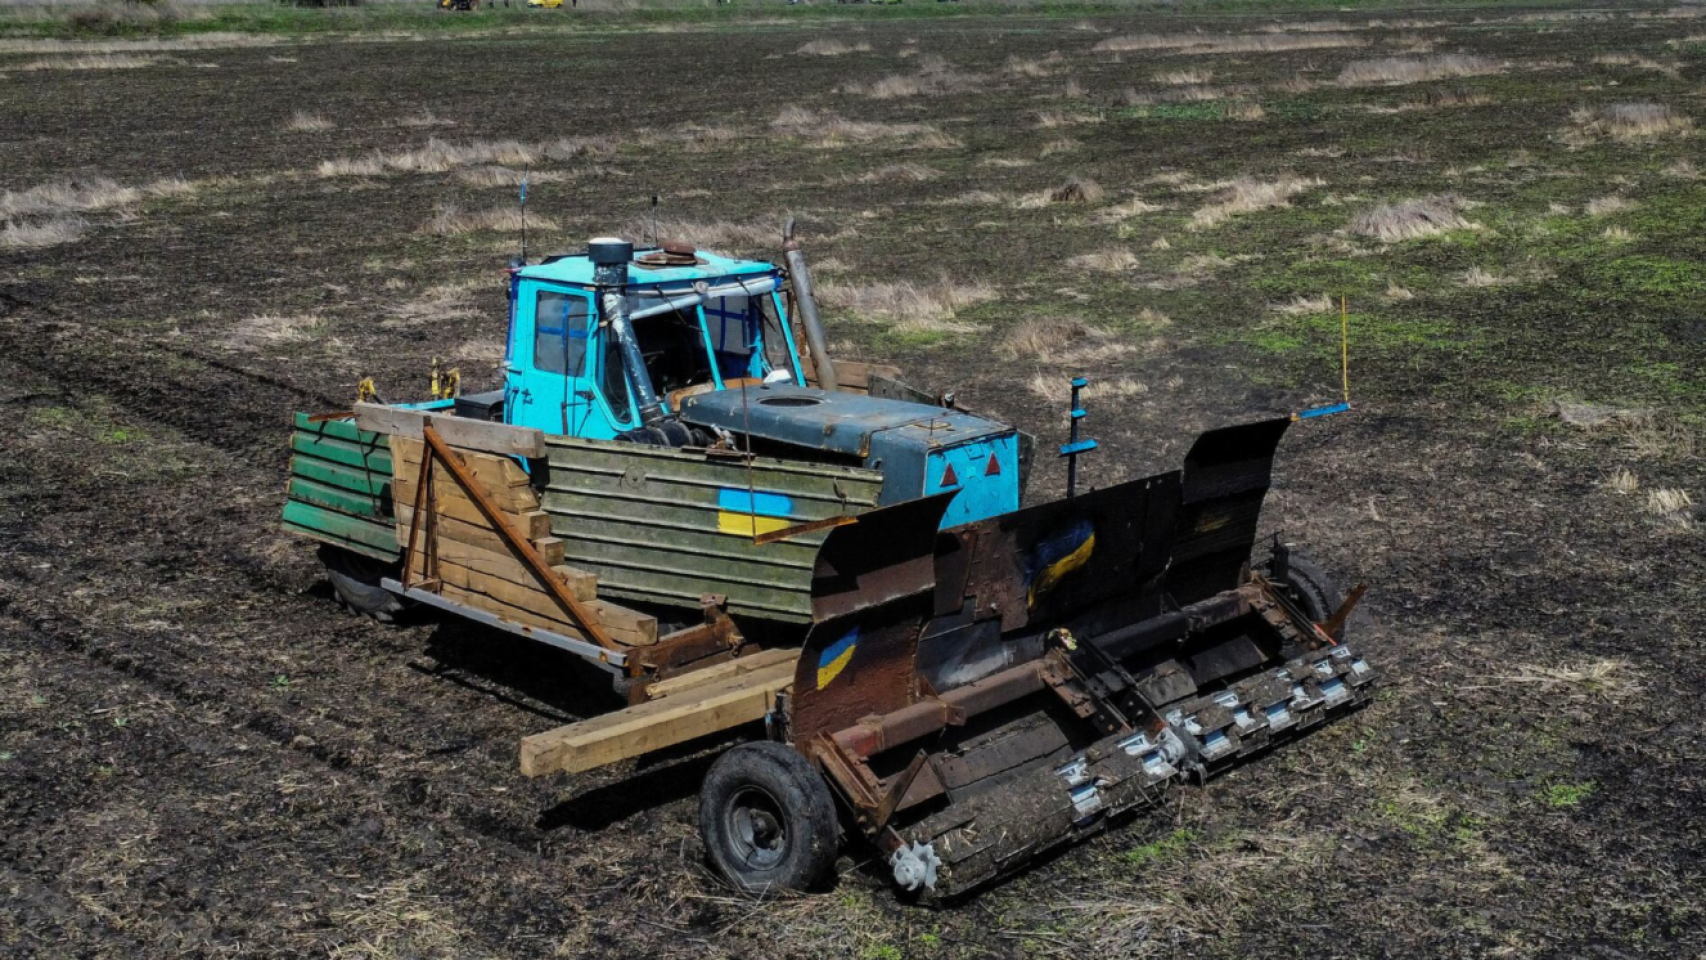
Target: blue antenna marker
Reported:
point(1344, 371)
point(1074, 446)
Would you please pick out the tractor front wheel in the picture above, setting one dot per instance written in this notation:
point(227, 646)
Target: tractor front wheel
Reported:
point(355, 579)
point(768, 819)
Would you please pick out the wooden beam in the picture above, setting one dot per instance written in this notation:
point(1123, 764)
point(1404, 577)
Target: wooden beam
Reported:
point(495, 472)
point(502, 566)
point(640, 631)
point(650, 726)
point(438, 451)
point(481, 435)
point(685, 684)
point(450, 528)
point(509, 499)
point(583, 585)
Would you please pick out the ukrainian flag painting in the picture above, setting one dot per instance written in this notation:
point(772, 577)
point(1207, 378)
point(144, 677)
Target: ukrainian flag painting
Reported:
point(835, 658)
point(749, 513)
point(1056, 556)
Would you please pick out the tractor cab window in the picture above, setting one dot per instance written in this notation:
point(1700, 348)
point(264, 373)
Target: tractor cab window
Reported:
point(673, 347)
point(747, 336)
point(559, 332)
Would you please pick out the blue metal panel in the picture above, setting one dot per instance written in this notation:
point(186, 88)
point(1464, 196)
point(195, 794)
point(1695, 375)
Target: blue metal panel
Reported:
point(983, 491)
point(547, 400)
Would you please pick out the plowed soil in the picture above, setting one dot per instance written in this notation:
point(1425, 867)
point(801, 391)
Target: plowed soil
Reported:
point(202, 755)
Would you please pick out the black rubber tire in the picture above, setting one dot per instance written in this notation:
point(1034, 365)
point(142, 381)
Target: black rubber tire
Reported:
point(768, 819)
point(355, 579)
point(1314, 592)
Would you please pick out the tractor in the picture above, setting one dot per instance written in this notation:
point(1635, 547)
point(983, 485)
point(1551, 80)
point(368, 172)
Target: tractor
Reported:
point(677, 483)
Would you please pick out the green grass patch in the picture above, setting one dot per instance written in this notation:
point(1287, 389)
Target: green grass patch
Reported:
point(1169, 847)
point(1560, 796)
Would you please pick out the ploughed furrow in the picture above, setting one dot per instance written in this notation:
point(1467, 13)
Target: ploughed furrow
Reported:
point(202, 397)
point(378, 757)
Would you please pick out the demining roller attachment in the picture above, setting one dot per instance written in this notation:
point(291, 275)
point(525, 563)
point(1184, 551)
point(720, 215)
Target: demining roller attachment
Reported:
point(1022, 681)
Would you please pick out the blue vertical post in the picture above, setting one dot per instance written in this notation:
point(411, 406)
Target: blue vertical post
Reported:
point(1075, 446)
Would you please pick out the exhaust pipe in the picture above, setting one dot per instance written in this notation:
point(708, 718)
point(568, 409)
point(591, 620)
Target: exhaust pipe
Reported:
point(610, 257)
point(808, 309)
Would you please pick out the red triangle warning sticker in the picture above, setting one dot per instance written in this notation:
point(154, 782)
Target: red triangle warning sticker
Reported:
point(994, 467)
point(949, 477)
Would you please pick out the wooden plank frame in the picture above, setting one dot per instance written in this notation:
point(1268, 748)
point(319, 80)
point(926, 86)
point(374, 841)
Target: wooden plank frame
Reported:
point(424, 510)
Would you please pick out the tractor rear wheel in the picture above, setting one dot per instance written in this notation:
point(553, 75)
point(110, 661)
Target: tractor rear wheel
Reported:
point(355, 579)
point(768, 819)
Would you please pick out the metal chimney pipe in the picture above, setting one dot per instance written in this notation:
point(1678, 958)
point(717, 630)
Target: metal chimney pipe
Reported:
point(610, 257)
point(802, 279)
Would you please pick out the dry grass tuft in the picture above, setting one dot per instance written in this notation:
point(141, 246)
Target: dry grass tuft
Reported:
point(1411, 219)
point(1120, 212)
point(1603, 206)
point(1249, 195)
point(1615, 234)
point(1682, 170)
point(70, 196)
point(1398, 70)
point(1194, 43)
point(439, 304)
point(1672, 70)
point(896, 173)
point(1179, 78)
point(1111, 260)
point(1302, 306)
point(1630, 121)
point(421, 119)
point(450, 221)
point(276, 330)
point(498, 176)
point(827, 131)
point(1608, 678)
point(1060, 145)
point(1017, 66)
point(1118, 388)
point(1477, 277)
point(906, 305)
point(1667, 501)
point(1623, 482)
point(42, 233)
point(438, 156)
point(935, 76)
point(1066, 341)
point(304, 122)
point(97, 61)
point(1244, 110)
point(1397, 293)
point(831, 48)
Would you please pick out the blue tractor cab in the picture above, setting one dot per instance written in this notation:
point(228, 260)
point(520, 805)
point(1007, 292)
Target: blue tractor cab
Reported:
point(700, 322)
point(683, 347)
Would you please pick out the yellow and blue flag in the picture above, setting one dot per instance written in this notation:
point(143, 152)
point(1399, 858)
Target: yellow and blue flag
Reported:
point(835, 658)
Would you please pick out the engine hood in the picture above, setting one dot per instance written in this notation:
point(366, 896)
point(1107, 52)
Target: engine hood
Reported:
point(838, 422)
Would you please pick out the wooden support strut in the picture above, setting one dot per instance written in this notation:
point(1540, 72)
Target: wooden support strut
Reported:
point(435, 448)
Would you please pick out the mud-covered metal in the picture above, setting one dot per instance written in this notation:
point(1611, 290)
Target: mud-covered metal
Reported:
point(1051, 668)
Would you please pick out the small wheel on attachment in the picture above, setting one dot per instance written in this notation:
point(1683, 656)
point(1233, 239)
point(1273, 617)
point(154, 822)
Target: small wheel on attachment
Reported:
point(1314, 592)
point(356, 578)
point(768, 819)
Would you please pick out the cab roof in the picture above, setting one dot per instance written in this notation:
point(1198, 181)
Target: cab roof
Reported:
point(576, 269)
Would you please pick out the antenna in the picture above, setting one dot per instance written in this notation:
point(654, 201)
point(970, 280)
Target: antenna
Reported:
point(654, 219)
point(1344, 369)
point(524, 214)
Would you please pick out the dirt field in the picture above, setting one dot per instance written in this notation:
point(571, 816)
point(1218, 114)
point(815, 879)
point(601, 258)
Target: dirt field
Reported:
point(200, 754)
